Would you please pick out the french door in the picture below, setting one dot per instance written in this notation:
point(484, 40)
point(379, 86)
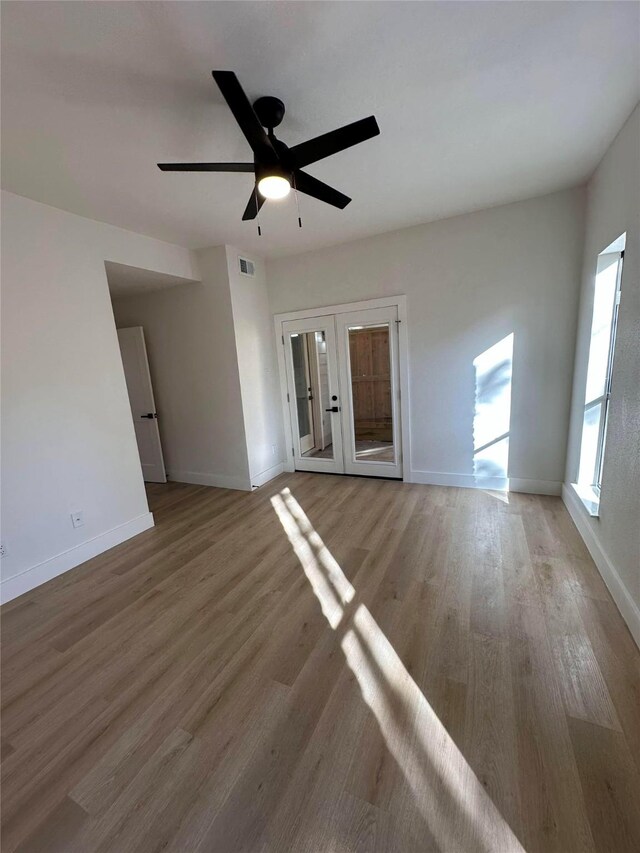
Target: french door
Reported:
point(342, 377)
point(315, 429)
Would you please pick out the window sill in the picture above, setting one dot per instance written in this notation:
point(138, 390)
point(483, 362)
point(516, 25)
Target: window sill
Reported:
point(589, 498)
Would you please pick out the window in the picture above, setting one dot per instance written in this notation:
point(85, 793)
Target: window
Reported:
point(606, 302)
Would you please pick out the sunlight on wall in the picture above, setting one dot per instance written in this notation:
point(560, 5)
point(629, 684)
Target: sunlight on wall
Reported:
point(455, 806)
point(492, 413)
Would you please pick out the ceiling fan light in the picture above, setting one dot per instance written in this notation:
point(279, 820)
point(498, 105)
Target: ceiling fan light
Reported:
point(274, 186)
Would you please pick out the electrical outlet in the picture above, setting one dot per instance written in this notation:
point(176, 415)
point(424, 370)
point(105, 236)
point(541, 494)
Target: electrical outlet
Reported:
point(3, 550)
point(274, 449)
point(77, 518)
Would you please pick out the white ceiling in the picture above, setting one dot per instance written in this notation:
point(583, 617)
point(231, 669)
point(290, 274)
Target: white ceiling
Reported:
point(478, 104)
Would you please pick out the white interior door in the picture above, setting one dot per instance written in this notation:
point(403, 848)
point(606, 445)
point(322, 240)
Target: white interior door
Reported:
point(143, 407)
point(370, 391)
point(313, 395)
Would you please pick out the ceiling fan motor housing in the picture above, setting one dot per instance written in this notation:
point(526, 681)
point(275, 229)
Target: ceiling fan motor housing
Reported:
point(264, 170)
point(266, 165)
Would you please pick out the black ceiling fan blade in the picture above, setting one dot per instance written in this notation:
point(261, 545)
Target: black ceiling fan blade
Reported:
point(245, 115)
point(323, 192)
point(206, 167)
point(334, 141)
point(253, 206)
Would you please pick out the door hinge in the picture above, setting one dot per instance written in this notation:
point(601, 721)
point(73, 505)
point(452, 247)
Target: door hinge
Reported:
point(288, 399)
point(293, 453)
point(282, 340)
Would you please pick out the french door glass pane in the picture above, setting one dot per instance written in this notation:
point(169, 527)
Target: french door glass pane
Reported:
point(372, 409)
point(298, 345)
point(311, 380)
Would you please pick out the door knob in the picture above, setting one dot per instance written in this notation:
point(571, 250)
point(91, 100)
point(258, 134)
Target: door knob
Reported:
point(333, 409)
point(150, 415)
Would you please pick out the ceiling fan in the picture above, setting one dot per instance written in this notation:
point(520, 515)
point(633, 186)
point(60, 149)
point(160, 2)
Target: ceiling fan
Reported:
point(276, 166)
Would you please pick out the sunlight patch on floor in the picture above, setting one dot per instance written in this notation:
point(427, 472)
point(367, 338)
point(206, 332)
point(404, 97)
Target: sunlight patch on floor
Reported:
point(329, 583)
point(456, 808)
point(498, 494)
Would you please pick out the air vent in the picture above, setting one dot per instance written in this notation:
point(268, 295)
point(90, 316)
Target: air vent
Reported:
point(246, 266)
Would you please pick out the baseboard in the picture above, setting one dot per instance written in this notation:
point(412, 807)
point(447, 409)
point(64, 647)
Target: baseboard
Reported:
point(468, 481)
point(219, 481)
point(269, 474)
point(620, 594)
point(12, 587)
point(462, 481)
point(535, 487)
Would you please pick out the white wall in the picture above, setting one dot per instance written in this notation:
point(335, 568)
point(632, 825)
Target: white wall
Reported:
point(255, 347)
point(613, 207)
point(67, 437)
point(469, 281)
point(189, 331)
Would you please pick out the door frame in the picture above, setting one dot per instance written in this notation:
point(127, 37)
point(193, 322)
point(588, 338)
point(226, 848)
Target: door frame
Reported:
point(400, 301)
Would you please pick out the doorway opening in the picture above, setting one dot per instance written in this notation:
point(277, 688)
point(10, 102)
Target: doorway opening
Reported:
point(150, 360)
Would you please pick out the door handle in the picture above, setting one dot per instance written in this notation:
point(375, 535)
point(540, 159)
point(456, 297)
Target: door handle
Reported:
point(333, 409)
point(150, 415)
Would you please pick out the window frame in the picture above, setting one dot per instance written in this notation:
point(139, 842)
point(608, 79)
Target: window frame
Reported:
point(605, 398)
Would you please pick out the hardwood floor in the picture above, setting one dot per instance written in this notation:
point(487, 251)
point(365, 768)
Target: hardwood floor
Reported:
point(326, 664)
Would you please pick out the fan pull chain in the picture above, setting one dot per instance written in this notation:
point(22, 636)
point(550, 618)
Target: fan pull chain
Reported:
point(295, 192)
point(255, 190)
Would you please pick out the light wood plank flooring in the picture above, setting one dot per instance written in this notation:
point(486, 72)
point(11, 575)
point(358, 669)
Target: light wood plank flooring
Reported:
point(327, 664)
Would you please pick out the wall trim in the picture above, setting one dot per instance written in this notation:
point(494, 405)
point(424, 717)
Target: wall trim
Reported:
point(535, 487)
point(265, 476)
point(219, 481)
point(341, 308)
point(468, 481)
point(28, 579)
point(626, 605)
